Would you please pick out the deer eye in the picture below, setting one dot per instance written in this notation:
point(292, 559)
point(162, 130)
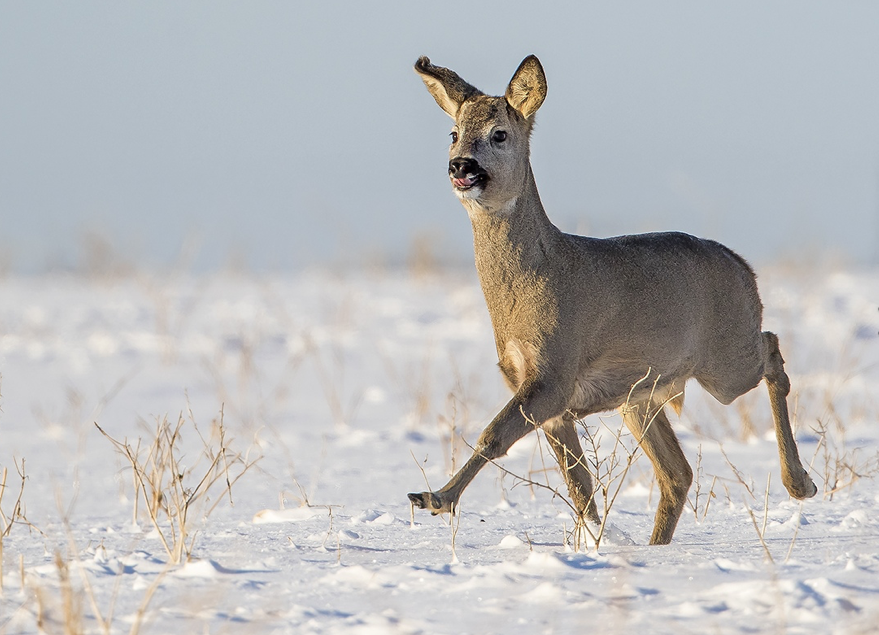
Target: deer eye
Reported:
point(499, 136)
point(454, 136)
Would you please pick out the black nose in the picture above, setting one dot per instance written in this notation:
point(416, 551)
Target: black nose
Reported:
point(460, 167)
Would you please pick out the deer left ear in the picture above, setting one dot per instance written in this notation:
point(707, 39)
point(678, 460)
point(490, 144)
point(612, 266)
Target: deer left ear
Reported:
point(447, 88)
point(527, 89)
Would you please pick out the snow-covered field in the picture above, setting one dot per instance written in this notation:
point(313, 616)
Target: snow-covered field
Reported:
point(345, 386)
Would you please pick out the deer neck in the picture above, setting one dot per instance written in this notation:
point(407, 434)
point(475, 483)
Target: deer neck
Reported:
point(513, 247)
point(511, 239)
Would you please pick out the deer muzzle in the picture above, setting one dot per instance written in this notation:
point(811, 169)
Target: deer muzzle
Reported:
point(466, 173)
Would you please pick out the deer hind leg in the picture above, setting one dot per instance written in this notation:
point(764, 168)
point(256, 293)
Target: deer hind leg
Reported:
point(794, 476)
point(652, 429)
point(561, 433)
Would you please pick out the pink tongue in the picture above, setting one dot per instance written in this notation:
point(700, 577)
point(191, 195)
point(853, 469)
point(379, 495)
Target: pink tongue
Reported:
point(465, 182)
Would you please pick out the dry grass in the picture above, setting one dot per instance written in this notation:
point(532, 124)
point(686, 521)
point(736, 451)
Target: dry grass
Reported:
point(841, 466)
point(172, 492)
point(17, 512)
point(59, 608)
point(696, 488)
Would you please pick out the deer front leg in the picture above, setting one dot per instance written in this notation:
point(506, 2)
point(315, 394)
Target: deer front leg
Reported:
point(531, 406)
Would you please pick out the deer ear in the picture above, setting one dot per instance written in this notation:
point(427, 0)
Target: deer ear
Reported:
point(449, 90)
point(527, 89)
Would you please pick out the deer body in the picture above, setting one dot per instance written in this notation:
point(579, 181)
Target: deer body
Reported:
point(579, 321)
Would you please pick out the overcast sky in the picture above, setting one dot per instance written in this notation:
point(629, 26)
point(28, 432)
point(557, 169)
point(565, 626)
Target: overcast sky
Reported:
point(291, 133)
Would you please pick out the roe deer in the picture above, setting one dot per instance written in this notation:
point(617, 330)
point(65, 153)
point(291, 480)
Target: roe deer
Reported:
point(578, 321)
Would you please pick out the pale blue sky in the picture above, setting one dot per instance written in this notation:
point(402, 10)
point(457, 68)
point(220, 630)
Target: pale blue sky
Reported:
point(290, 133)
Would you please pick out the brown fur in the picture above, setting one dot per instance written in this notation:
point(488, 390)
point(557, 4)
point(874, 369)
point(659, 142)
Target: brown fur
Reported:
point(579, 321)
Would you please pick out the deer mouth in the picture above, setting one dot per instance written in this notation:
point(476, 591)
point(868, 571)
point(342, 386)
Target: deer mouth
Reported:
point(471, 181)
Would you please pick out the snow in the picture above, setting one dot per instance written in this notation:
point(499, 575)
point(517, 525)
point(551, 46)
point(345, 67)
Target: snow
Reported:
point(348, 385)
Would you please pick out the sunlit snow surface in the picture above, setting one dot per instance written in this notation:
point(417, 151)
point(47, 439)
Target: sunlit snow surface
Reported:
point(345, 384)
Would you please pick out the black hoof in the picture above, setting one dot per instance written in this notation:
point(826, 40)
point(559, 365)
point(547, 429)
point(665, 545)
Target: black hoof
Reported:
point(417, 499)
point(427, 500)
point(811, 488)
point(804, 489)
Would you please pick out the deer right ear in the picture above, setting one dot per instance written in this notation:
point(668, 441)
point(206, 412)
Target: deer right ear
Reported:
point(449, 90)
point(527, 89)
